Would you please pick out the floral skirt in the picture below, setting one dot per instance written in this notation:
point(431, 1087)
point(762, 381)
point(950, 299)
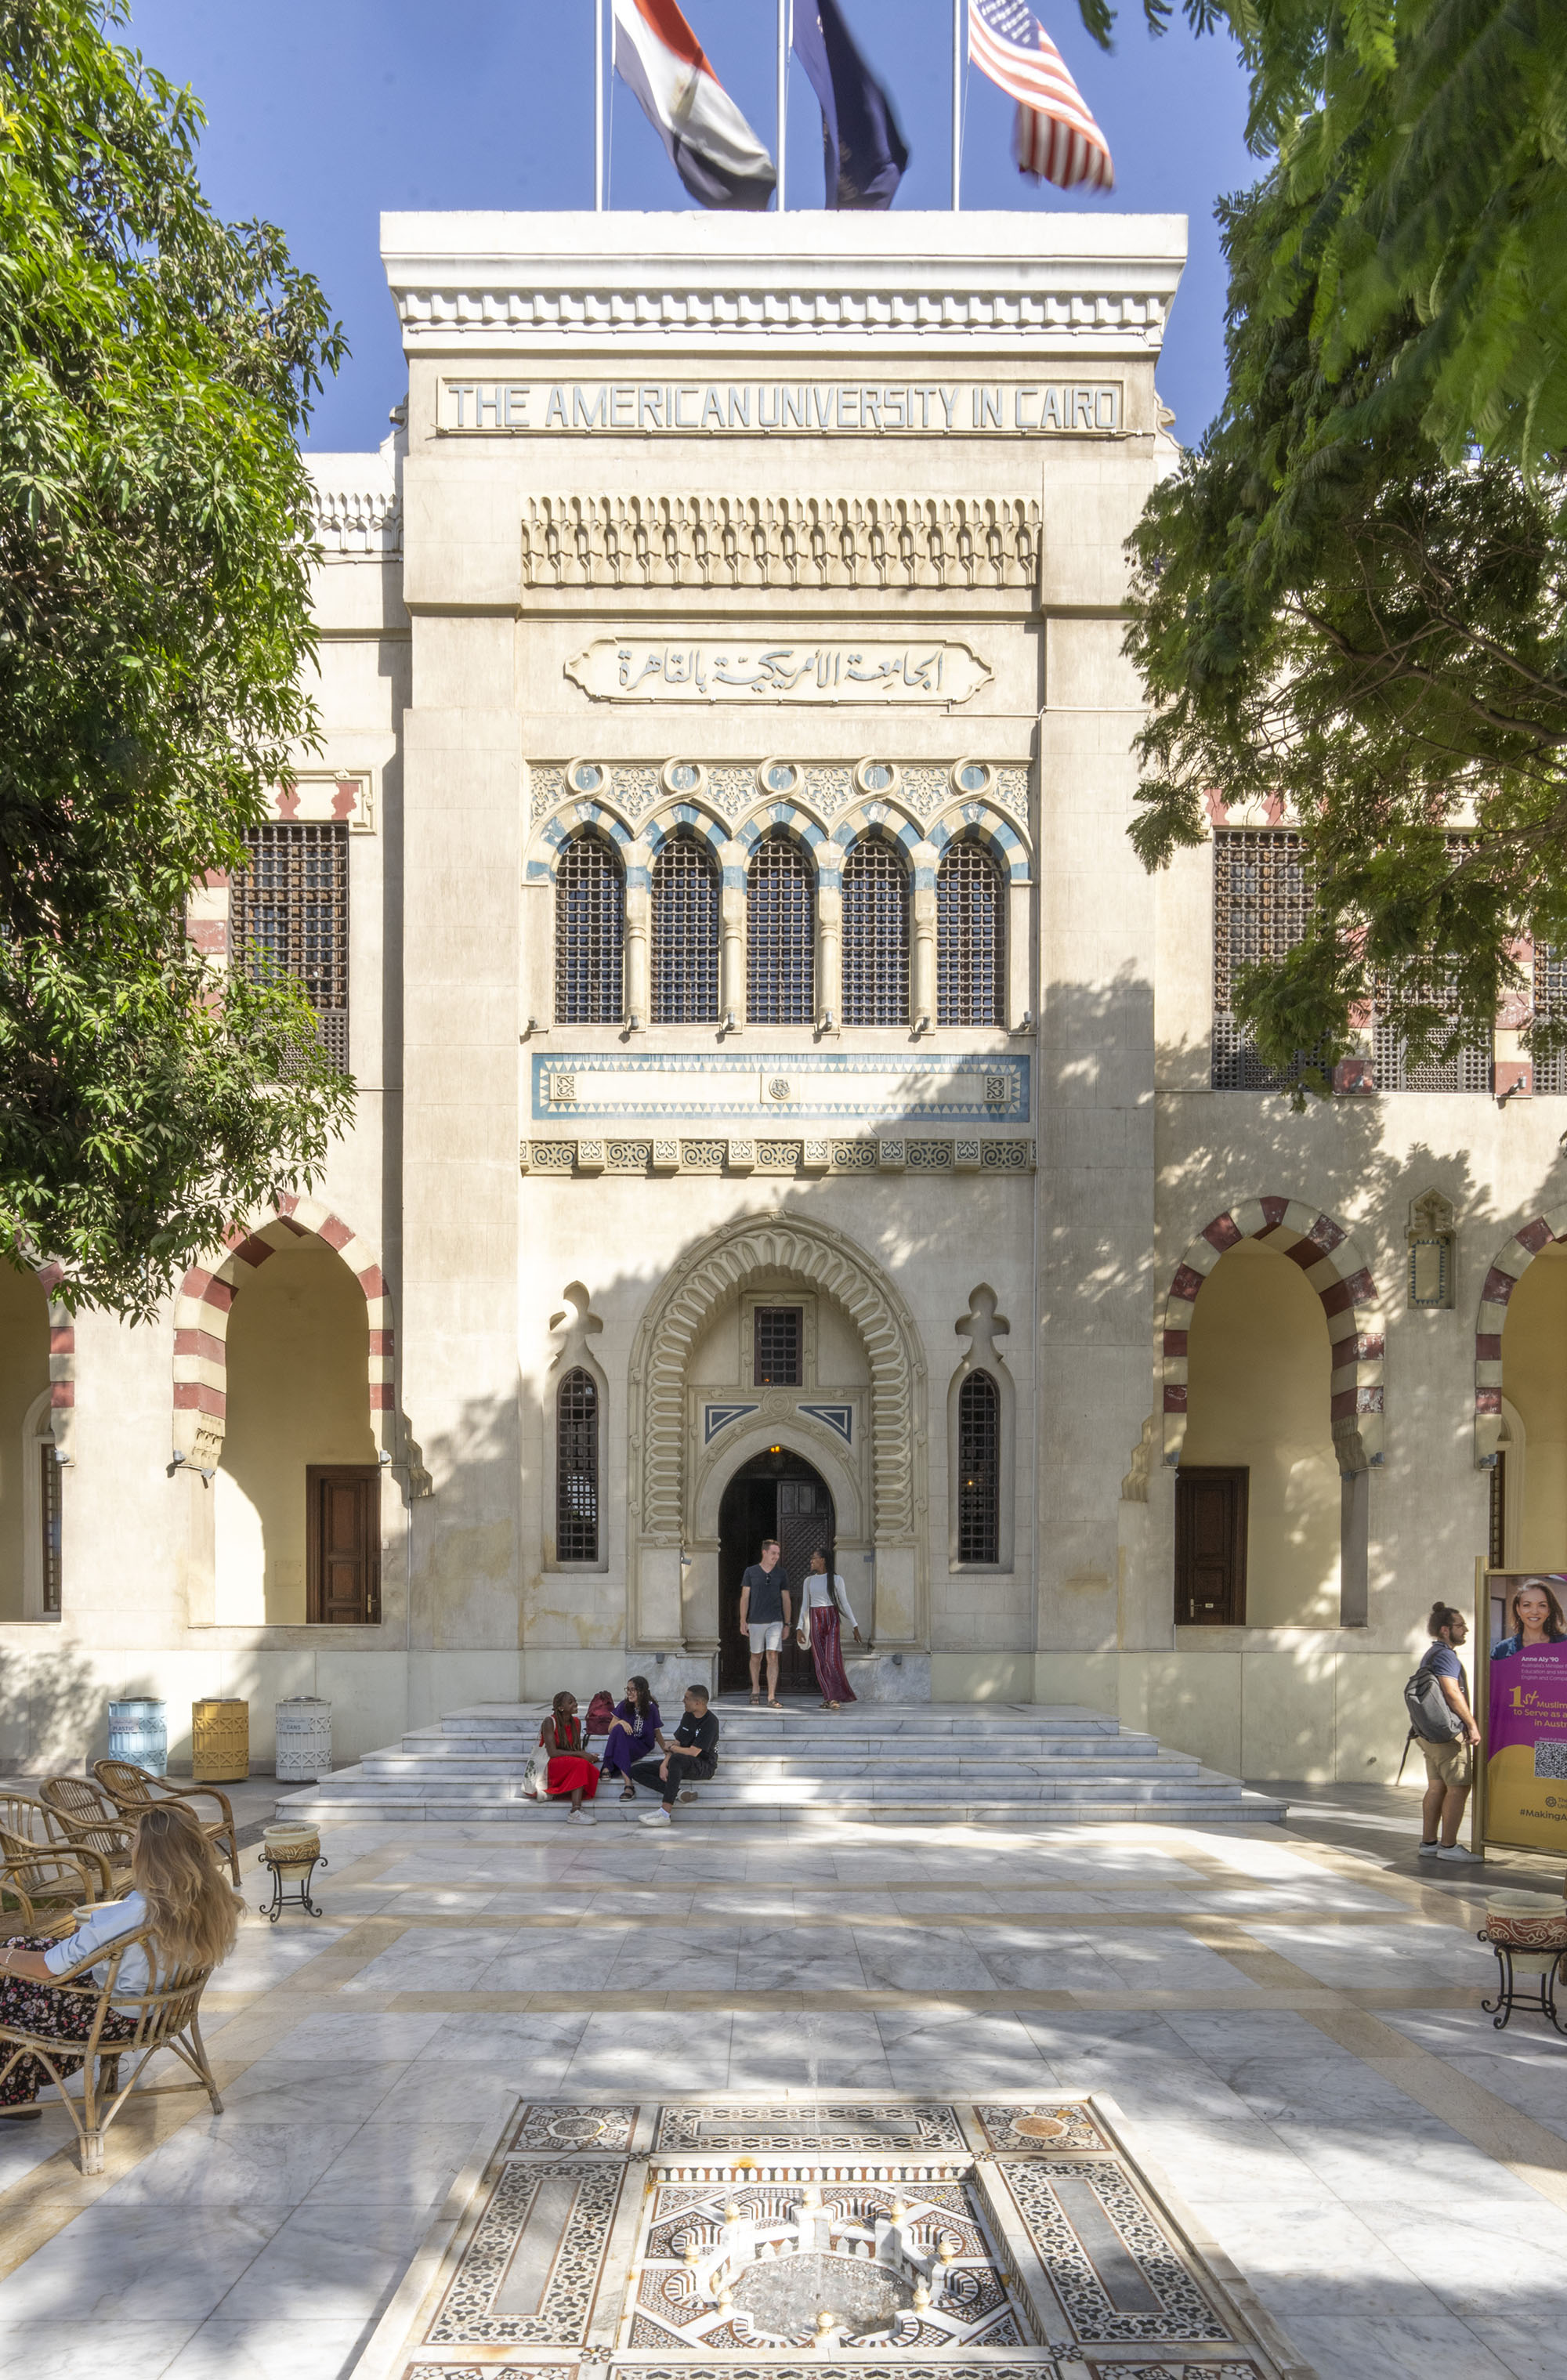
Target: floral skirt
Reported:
point(38, 2007)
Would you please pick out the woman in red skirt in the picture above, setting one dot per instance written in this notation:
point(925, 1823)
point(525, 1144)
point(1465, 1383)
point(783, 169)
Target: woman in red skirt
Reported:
point(822, 1602)
point(570, 1771)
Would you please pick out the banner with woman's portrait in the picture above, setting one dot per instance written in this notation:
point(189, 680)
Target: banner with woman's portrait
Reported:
point(1527, 1709)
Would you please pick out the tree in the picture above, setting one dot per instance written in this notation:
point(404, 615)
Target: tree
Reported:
point(1349, 596)
point(156, 368)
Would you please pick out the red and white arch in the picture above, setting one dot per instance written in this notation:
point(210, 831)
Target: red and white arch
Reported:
point(1336, 1270)
point(1507, 1269)
point(206, 1298)
point(62, 1361)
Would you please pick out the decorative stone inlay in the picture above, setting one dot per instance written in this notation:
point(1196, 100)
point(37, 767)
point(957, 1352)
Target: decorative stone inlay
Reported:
point(633, 788)
point(877, 2236)
point(725, 544)
point(542, 2235)
point(786, 1158)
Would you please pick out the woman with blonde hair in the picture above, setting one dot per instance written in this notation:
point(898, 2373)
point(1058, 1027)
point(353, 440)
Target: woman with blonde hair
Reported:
point(178, 1899)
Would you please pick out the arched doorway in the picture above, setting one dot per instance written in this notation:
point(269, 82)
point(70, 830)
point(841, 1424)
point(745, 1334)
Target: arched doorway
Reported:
point(780, 1494)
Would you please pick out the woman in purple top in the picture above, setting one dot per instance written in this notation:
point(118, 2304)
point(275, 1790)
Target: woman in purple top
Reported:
point(634, 1730)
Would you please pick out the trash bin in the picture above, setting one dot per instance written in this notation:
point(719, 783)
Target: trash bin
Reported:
point(304, 1739)
point(220, 1740)
point(138, 1733)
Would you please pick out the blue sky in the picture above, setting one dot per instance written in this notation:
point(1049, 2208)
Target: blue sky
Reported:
point(321, 112)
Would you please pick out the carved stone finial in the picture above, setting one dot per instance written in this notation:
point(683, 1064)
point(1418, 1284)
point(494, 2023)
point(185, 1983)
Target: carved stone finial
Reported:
point(576, 1324)
point(982, 1326)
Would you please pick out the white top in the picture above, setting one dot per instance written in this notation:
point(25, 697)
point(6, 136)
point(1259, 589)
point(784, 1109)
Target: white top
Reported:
point(814, 1594)
point(99, 1929)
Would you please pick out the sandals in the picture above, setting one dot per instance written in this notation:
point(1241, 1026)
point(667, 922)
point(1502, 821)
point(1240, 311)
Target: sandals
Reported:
point(756, 1702)
point(629, 1794)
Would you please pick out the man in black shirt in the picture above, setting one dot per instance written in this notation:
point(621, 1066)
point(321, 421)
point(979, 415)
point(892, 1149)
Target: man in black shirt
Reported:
point(764, 1616)
point(691, 1753)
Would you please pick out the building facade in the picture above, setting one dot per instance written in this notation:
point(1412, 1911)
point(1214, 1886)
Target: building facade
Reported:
point(786, 1106)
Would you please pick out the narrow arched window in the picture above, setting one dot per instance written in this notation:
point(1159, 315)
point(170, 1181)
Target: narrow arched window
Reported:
point(970, 937)
point(685, 934)
point(779, 934)
point(978, 1469)
point(589, 932)
point(577, 1468)
point(875, 934)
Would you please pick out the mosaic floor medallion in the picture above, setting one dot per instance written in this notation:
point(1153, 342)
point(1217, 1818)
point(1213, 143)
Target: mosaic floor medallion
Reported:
point(754, 2240)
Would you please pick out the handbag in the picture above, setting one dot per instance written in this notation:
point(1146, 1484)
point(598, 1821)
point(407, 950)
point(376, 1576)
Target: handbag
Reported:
point(535, 1785)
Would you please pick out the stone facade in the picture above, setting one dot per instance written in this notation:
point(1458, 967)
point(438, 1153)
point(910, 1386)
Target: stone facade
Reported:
point(704, 531)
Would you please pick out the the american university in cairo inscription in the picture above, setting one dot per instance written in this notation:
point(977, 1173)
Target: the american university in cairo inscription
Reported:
point(637, 669)
point(808, 408)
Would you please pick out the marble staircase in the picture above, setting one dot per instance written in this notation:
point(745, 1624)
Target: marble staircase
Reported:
point(917, 1764)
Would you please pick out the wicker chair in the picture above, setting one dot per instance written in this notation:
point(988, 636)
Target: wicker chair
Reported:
point(165, 2017)
point(133, 1790)
point(90, 1818)
point(54, 1875)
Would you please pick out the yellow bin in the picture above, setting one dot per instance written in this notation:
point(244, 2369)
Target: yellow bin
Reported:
point(220, 1741)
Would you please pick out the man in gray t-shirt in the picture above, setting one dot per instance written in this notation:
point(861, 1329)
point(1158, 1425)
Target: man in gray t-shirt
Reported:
point(764, 1615)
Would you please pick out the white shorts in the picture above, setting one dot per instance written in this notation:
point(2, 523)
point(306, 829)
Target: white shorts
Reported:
point(768, 1637)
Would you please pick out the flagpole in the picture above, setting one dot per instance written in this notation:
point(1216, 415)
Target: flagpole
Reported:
point(782, 93)
point(958, 27)
point(598, 106)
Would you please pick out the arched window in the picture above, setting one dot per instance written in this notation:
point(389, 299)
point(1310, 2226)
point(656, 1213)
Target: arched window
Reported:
point(970, 937)
point(589, 932)
point(577, 1468)
point(685, 934)
point(779, 934)
point(875, 934)
point(979, 1469)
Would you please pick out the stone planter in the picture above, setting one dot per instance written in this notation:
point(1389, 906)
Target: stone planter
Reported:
point(304, 1739)
point(137, 1733)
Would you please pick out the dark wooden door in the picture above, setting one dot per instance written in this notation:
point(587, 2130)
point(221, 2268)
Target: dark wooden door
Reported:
point(1210, 1545)
point(775, 1496)
point(343, 1544)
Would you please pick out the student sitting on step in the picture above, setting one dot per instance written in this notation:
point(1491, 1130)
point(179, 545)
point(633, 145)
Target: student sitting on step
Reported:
point(689, 1753)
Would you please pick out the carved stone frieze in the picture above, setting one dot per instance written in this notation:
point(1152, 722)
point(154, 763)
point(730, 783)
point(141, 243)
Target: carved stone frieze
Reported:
point(782, 542)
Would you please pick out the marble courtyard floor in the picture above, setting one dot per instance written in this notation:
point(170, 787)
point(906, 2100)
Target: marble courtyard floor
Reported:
point(1288, 2021)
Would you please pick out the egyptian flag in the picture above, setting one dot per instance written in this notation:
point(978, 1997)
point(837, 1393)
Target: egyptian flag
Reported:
point(710, 145)
point(864, 150)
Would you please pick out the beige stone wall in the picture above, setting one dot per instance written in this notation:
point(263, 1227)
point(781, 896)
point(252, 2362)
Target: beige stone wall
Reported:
point(1534, 1359)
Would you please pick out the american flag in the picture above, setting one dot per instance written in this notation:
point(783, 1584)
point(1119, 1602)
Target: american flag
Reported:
point(1056, 139)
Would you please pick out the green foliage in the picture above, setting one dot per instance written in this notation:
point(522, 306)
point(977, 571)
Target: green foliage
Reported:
point(156, 366)
point(1352, 595)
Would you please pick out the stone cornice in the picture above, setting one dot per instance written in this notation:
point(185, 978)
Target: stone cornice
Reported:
point(358, 511)
point(968, 283)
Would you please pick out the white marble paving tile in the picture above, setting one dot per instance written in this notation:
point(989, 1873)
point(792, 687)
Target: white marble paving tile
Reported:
point(432, 1958)
point(216, 2163)
point(1231, 2040)
point(1312, 2090)
point(1101, 2035)
point(458, 2091)
point(1469, 2032)
point(32, 2142)
point(364, 2037)
point(60, 2347)
point(924, 1959)
point(400, 2165)
point(534, 2042)
point(280, 2089)
point(305, 2348)
point(1404, 1957)
point(619, 2050)
point(342, 2262)
point(1431, 2159)
point(1308, 2255)
point(816, 2049)
point(1018, 1958)
point(134, 2265)
point(797, 1958)
point(959, 2052)
point(1395, 2347)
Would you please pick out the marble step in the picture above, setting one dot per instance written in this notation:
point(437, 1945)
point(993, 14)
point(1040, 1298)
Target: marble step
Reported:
point(433, 1744)
point(729, 1788)
point(767, 1777)
point(972, 1720)
point(329, 1803)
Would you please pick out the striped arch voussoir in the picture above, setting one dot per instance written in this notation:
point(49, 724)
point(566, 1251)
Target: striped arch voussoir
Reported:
point(797, 823)
point(1507, 1268)
point(62, 1362)
point(973, 823)
point(206, 1297)
point(1337, 1271)
point(685, 818)
point(582, 818)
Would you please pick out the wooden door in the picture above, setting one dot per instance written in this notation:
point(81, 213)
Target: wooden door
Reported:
point(343, 1545)
point(805, 1522)
point(1210, 1545)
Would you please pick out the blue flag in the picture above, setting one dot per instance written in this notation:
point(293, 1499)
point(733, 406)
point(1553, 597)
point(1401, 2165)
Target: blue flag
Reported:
point(864, 150)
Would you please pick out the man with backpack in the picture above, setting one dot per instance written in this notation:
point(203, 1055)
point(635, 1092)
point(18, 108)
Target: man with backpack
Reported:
point(1443, 1725)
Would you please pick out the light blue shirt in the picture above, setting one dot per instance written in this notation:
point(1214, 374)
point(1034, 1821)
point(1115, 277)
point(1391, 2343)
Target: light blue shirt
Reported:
point(100, 1929)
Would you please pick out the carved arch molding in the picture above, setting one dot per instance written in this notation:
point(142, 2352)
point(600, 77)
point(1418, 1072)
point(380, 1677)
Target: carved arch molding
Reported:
point(673, 1324)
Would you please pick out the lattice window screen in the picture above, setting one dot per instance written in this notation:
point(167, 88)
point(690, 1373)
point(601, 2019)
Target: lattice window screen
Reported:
point(978, 1469)
point(590, 933)
point(577, 1468)
point(970, 937)
point(50, 1500)
point(288, 913)
point(875, 934)
point(777, 1346)
point(686, 933)
point(1470, 1066)
point(1550, 1000)
point(780, 935)
point(1261, 904)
